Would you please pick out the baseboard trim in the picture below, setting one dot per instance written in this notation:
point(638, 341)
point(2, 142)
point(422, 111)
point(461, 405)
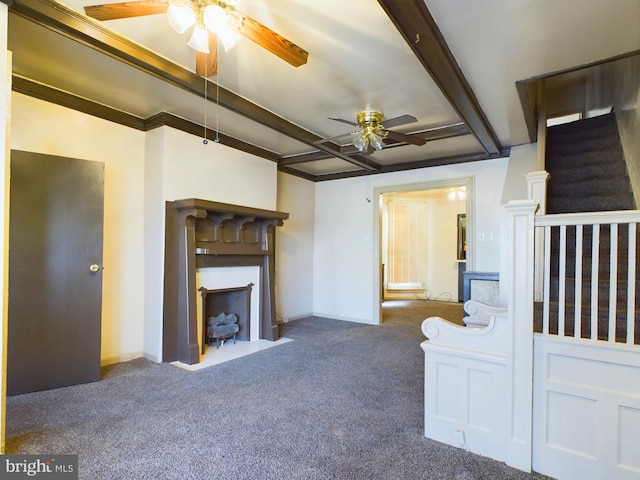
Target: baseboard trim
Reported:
point(365, 321)
point(122, 357)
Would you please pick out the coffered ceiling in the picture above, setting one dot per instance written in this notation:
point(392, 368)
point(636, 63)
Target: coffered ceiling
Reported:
point(453, 65)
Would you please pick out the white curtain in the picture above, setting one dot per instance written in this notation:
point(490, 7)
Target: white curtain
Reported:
point(407, 241)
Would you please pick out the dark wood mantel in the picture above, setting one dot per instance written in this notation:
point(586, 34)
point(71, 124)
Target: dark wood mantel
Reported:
point(200, 233)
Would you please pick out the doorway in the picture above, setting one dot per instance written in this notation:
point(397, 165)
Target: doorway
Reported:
point(418, 241)
point(55, 272)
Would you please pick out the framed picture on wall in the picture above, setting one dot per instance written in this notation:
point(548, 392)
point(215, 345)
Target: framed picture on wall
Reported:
point(462, 236)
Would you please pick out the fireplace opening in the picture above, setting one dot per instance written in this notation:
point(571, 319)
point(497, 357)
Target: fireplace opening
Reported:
point(236, 300)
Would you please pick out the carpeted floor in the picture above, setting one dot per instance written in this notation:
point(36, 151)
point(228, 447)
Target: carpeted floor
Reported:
point(339, 401)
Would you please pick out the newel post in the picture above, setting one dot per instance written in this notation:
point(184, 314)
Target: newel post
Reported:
point(520, 255)
point(537, 191)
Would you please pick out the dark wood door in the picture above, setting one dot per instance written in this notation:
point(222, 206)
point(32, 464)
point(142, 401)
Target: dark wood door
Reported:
point(55, 272)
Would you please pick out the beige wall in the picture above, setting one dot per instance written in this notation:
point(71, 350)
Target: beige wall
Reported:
point(5, 116)
point(294, 257)
point(42, 127)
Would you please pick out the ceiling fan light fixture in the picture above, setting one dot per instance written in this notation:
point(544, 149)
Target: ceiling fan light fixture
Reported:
point(229, 38)
point(199, 40)
point(216, 20)
point(181, 17)
point(372, 131)
point(214, 16)
point(376, 141)
point(361, 142)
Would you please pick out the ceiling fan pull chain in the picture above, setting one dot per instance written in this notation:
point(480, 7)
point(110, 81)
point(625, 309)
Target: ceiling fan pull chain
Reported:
point(205, 141)
point(217, 140)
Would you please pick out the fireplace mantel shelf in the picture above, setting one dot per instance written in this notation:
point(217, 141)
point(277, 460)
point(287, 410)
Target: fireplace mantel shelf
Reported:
point(227, 208)
point(202, 233)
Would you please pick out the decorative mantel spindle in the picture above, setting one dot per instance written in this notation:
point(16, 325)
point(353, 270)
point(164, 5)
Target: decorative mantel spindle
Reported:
point(201, 233)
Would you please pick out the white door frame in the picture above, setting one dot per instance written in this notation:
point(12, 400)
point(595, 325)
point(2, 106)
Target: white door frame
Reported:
point(468, 182)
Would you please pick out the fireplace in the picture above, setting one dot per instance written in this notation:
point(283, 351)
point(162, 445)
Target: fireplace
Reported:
point(202, 234)
point(227, 300)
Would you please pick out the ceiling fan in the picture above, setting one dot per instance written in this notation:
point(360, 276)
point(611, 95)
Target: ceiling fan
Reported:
point(212, 20)
point(374, 129)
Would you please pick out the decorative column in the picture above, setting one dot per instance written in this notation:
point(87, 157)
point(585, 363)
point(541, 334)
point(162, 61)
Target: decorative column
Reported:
point(520, 250)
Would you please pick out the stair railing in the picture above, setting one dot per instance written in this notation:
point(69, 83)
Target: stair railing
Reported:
point(616, 322)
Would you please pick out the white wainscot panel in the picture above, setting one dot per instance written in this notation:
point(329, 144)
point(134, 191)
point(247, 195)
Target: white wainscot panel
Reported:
point(465, 401)
point(571, 423)
point(446, 392)
point(586, 410)
point(628, 432)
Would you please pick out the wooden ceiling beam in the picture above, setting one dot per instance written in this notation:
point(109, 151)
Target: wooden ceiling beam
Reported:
point(415, 23)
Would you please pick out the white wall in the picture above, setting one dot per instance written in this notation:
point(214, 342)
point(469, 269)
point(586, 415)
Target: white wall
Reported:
point(216, 172)
point(523, 160)
point(343, 262)
point(154, 216)
point(344, 257)
point(41, 127)
point(443, 248)
point(294, 242)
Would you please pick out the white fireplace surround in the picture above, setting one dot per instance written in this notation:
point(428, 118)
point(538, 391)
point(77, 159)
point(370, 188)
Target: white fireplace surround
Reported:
point(213, 278)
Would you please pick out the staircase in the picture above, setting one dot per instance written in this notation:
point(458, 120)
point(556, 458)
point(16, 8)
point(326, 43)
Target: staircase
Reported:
point(588, 173)
point(587, 167)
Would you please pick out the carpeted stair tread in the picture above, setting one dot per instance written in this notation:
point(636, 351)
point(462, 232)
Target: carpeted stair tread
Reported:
point(601, 203)
point(585, 322)
point(604, 269)
point(586, 290)
point(604, 124)
point(573, 158)
point(584, 145)
point(594, 186)
point(610, 171)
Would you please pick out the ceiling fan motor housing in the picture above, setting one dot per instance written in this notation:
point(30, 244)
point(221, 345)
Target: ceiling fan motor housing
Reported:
point(370, 118)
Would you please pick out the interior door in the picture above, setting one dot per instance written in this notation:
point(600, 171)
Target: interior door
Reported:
point(55, 272)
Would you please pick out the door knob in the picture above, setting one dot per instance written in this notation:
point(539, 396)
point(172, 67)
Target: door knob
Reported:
point(95, 268)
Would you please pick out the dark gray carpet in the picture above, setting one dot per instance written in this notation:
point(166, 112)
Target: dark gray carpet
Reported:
point(341, 401)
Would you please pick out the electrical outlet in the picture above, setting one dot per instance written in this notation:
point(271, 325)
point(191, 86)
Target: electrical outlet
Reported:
point(458, 438)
